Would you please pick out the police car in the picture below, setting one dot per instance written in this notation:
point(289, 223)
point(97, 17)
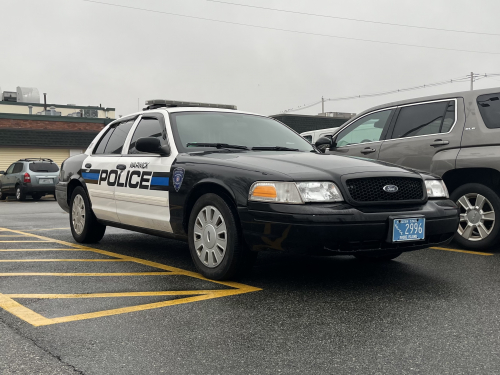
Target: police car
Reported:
point(232, 183)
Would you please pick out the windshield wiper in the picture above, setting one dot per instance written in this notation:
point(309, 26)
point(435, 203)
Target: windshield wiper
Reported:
point(275, 148)
point(216, 145)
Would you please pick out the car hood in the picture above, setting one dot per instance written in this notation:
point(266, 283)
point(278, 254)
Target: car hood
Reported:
point(302, 165)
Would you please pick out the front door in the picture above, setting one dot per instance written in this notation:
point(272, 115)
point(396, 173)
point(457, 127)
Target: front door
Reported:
point(100, 170)
point(420, 132)
point(8, 180)
point(142, 191)
point(364, 136)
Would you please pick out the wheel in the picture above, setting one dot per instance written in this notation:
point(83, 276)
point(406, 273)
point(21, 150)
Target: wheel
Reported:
point(84, 225)
point(2, 195)
point(215, 240)
point(20, 195)
point(55, 198)
point(36, 197)
point(377, 258)
point(478, 228)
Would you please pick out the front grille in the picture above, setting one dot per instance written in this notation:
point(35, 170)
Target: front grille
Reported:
point(372, 189)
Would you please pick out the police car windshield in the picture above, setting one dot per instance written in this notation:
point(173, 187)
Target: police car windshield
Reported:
point(191, 128)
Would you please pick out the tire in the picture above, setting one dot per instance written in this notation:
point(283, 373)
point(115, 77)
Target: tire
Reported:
point(36, 197)
point(377, 258)
point(2, 195)
point(213, 226)
point(84, 225)
point(478, 228)
point(20, 195)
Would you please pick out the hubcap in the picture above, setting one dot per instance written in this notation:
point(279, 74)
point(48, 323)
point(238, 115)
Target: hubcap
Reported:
point(477, 217)
point(210, 236)
point(78, 214)
point(18, 193)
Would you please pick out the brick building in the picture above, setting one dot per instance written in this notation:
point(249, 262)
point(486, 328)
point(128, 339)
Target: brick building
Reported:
point(29, 130)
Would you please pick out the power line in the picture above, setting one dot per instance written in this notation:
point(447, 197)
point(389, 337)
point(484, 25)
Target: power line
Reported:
point(290, 31)
point(476, 77)
point(353, 19)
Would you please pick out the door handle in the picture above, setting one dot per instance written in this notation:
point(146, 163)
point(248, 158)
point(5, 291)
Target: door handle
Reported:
point(121, 167)
point(368, 150)
point(439, 142)
point(88, 165)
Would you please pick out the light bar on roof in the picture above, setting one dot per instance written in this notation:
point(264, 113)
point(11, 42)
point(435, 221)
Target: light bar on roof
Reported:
point(175, 103)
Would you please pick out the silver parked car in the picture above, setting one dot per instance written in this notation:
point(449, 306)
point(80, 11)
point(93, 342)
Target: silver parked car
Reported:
point(35, 177)
point(455, 136)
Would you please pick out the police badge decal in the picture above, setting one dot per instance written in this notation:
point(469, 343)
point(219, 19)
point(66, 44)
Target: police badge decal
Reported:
point(178, 178)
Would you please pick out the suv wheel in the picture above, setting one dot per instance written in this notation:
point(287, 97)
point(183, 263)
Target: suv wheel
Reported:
point(2, 195)
point(84, 225)
point(20, 196)
point(478, 228)
point(215, 241)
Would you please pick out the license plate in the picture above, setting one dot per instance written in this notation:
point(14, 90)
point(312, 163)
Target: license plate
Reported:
point(46, 181)
point(408, 230)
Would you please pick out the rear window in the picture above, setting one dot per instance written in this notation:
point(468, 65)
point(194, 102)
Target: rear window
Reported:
point(43, 167)
point(489, 106)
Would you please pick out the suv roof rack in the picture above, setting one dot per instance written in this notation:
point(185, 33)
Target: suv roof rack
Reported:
point(36, 159)
point(162, 103)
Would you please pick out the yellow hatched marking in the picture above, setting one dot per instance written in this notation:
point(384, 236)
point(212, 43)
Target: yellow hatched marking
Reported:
point(462, 251)
point(41, 229)
point(13, 235)
point(62, 260)
point(107, 295)
point(27, 241)
point(197, 295)
point(55, 249)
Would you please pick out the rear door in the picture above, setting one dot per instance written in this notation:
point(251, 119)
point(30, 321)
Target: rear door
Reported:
point(420, 132)
point(142, 194)
point(364, 136)
point(100, 171)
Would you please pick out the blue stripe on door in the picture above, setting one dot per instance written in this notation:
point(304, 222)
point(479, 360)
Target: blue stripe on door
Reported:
point(160, 181)
point(90, 176)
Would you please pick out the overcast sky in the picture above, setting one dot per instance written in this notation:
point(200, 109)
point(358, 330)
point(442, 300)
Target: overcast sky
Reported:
point(90, 54)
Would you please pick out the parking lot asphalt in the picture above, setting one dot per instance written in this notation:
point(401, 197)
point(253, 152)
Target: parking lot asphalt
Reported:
point(133, 304)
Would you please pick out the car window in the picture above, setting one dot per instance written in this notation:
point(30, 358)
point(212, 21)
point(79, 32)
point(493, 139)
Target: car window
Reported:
point(148, 127)
point(367, 129)
point(489, 107)
point(10, 169)
point(309, 138)
point(117, 138)
point(424, 119)
point(18, 167)
point(43, 167)
point(104, 141)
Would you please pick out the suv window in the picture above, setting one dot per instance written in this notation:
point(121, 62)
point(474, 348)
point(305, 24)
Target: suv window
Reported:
point(148, 127)
point(367, 129)
point(112, 142)
point(489, 106)
point(11, 168)
point(424, 119)
point(18, 167)
point(43, 167)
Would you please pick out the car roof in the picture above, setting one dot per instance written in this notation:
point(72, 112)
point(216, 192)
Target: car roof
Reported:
point(467, 95)
point(187, 109)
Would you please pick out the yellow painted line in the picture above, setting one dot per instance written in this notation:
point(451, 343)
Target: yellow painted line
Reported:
point(61, 260)
point(462, 251)
point(22, 312)
point(34, 249)
point(27, 241)
point(13, 235)
point(236, 288)
point(88, 274)
point(41, 229)
point(107, 295)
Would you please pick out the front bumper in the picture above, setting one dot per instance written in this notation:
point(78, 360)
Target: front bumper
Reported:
point(62, 195)
point(341, 228)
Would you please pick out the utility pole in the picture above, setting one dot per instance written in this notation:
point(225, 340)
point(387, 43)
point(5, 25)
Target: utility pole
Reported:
point(322, 105)
point(471, 81)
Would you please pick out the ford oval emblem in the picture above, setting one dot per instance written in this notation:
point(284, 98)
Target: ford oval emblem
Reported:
point(390, 188)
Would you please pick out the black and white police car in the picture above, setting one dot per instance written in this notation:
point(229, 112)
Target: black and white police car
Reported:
point(232, 183)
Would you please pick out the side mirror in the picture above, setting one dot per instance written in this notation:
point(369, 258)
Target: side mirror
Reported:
point(323, 143)
point(151, 145)
point(2, 172)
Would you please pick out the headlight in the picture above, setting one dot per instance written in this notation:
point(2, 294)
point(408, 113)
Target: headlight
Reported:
point(436, 189)
point(295, 193)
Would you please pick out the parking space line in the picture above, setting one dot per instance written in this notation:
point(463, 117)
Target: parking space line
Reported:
point(34, 249)
point(8, 304)
point(462, 251)
point(61, 260)
point(86, 274)
point(13, 235)
point(44, 229)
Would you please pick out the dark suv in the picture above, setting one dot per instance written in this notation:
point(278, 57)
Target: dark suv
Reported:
point(35, 177)
point(456, 136)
